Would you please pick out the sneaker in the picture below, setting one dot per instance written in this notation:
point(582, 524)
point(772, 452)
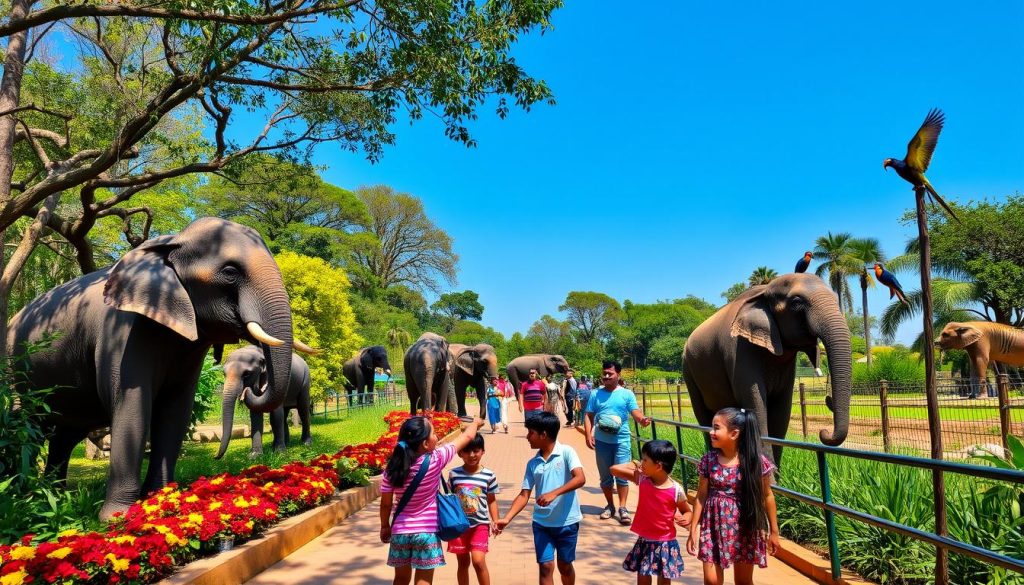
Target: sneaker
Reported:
point(624, 518)
point(607, 513)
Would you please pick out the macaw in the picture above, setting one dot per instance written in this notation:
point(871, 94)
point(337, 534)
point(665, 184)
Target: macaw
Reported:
point(889, 279)
point(919, 156)
point(803, 263)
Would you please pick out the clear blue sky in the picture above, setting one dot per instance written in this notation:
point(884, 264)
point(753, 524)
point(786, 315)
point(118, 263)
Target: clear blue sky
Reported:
point(693, 142)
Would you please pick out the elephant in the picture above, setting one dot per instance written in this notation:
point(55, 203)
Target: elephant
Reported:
point(426, 374)
point(127, 343)
point(245, 370)
point(519, 369)
point(472, 365)
point(359, 372)
point(985, 342)
point(744, 355)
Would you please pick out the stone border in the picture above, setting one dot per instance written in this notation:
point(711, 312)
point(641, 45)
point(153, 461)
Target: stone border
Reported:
point(245, 561)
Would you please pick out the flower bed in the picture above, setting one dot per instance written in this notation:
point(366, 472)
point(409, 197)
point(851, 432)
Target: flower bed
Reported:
point(174, 526)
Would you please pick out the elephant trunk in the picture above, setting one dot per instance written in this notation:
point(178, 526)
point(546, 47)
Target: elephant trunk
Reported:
point(233, 386)
point(265, 303)
point(829, 325)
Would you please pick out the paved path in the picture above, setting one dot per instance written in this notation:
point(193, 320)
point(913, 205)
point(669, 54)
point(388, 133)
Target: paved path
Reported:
point(351, 553)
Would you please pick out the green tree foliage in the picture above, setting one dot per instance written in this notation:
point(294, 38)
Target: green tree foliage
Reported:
point(666, 353)
point(645, 324)
point(291, 206)
point(412, 251)
point(321, 317)
point(866, 251)
point(838, 264)
point(549, 335)
point(734, 291)
point(458, 306)
point(761, 275)
point(591, 314)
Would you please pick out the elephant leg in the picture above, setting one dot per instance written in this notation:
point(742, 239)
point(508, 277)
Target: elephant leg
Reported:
point(780, 412)
point(304, 410)
point(61, 443)
point(129, 429)
point(256, 426)
point(701, 412)
point(481, 397)
point(460, 385)
point(286, 426)
point(751, 394)
point(277, 427)
point(168, 432)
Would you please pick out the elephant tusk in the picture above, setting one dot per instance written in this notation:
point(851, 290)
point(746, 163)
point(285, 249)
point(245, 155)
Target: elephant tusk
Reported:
point(299, 346)
point(262, 336)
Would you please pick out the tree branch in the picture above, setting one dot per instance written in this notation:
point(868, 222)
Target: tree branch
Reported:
point(28, 243)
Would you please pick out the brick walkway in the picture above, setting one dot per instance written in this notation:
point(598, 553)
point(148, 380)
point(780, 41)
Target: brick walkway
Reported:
point(351, 553)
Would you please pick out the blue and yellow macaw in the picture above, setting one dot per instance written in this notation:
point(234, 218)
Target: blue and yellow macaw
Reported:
point(919, 156)
point(889, 279)
point(803, 263)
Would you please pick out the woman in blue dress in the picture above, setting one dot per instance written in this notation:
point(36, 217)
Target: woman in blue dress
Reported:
point(494, 397)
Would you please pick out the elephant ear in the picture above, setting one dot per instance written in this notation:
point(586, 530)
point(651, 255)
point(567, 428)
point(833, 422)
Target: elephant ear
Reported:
point(366, 359)
point(969, 335)
point(144, 282)
point(466, 360)
point(755, 322)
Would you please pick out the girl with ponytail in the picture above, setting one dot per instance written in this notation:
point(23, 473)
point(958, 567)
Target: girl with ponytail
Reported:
point(735, 505)
point(412, 531)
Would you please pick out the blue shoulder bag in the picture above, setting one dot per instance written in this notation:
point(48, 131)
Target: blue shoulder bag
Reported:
point(451, 518)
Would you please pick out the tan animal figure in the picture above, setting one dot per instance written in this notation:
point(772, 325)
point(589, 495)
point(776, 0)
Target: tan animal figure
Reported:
point(984, 342)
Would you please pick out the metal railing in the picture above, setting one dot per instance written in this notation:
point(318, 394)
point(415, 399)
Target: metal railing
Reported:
point(942, 542)
point(341, 405)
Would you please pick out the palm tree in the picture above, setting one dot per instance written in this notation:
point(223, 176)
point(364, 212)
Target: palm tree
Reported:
point(761, 275)
point(866, 251)
point(838, 260)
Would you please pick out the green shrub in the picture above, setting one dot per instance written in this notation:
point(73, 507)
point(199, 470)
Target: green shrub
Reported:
point(898, 365)
point(211, 378)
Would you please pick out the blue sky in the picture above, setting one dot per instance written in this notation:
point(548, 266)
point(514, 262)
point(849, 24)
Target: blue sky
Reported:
point(693, 142)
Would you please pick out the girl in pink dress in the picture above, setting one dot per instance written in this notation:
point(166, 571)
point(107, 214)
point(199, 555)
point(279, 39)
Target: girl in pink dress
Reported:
point(656, 552)
point(735, 506)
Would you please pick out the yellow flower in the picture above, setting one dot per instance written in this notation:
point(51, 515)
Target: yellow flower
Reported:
point(249, 524)
point(14, 578)
point(125, 539)
point(241, 503)
point(196, 519)
point(217, 481)
point(68, 532)
point(23, 553)
point(172, 540)
point(268, 485)
point(225, 517)
point(119, 565)
point(162, 529)
point(150, 508)
point(167, 489)
point(60, 553)
point(192, 499)
point(215, 505)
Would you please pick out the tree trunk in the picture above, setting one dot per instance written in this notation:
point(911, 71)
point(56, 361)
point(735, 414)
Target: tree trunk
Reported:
point(10, 97)
point(864, 307)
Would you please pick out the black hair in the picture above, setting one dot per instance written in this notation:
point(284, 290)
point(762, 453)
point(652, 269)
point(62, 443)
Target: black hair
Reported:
point(544, 422)
point(661, 452)
point(476, 443)
point(612, 364)
point(751, 488)
point(413, 433)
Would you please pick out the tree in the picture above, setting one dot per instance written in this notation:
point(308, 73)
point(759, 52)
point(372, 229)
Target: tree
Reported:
point(761, 275)
point(322, 316)
point(291, 206)
point(458, 306)
point(315, 71)
point(666, 353)
point(866, 251)
point(839, 263)
point(412, 251)
point(644, 324)
point(734, 291)
point(590, 314)
point(548, 335)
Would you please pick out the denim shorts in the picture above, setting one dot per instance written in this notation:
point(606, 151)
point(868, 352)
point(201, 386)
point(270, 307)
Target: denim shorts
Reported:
point(547, 541)
point(609, 454)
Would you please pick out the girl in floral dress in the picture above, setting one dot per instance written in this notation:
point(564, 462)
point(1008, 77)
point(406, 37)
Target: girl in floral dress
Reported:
point(656, 552)
point(735, 505)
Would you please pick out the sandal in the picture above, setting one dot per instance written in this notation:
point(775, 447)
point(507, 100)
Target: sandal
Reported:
point(607, 513)
point(624, 518)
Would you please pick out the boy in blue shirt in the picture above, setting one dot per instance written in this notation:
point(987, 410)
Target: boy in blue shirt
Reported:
point(556, 473)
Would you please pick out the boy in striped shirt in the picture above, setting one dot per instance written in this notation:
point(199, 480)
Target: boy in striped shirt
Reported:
point(476, 487)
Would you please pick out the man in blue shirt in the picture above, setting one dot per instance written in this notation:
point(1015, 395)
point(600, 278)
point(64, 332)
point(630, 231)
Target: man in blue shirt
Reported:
point(556, 473)
point(606, 427)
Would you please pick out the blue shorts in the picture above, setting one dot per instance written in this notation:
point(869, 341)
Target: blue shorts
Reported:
point(546, 541)
point(609, 454)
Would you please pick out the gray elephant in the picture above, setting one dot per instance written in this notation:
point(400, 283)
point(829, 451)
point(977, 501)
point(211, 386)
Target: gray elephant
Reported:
point(745, 354)
point(358, 372)
point(131, 339)
point(245, 370)
point(426, 374)
point(472, 365)
point(519, 369)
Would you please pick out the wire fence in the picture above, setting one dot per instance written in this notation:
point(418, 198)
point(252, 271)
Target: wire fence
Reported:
point(337, 405)
point(886, 416)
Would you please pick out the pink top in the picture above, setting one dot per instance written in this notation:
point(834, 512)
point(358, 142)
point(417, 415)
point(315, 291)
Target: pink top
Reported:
point(656, 510)
point(533, 394)
point(420, 514)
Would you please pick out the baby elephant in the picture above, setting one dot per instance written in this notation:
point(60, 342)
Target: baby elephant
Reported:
point(245, 370)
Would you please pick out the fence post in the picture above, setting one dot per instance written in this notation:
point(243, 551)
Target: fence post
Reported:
point(643, 396)
point(1003, 384)
point(679, 402)
point(803, 410)
point(682, 459)
point(883, 396)
point(830, 521)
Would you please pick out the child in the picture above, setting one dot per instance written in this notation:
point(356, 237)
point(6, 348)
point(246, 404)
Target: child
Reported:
point(412, 532)
point(556, 473)
point(735, 503)
point(494, 398)
point(475, 486)
point(656, 552)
